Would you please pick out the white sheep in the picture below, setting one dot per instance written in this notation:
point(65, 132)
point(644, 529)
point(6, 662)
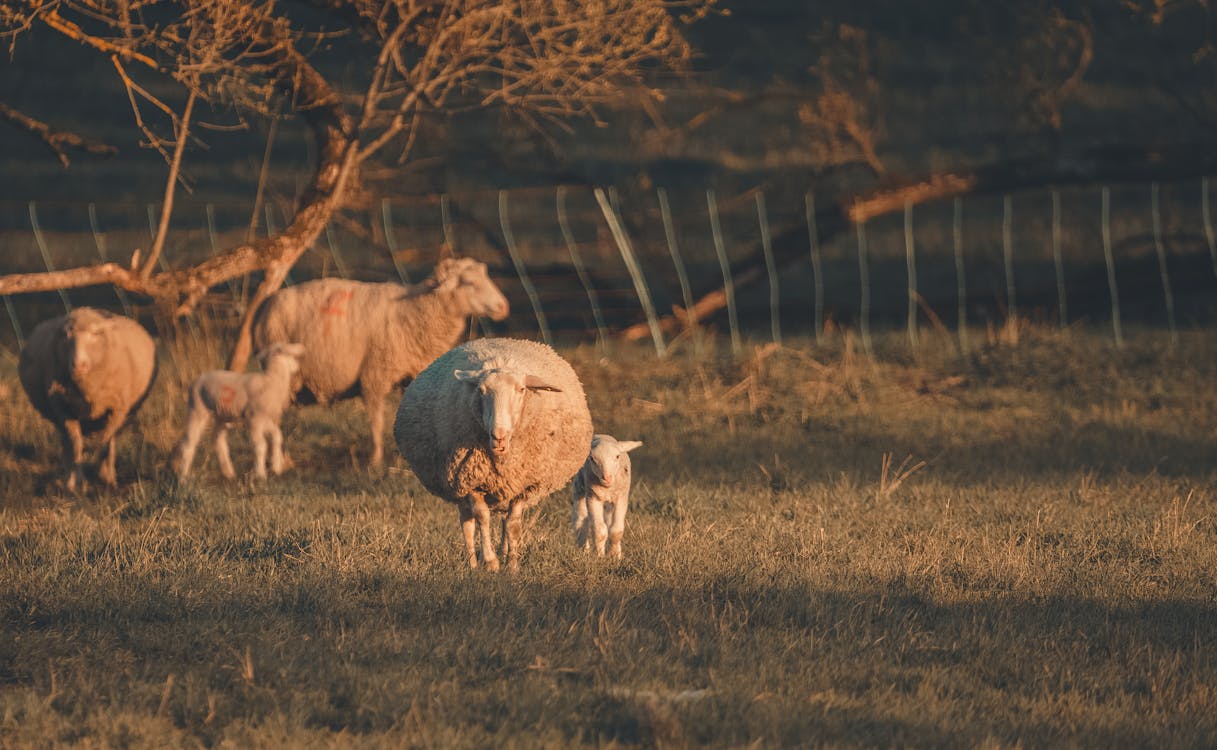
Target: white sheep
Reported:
point(603, 484)
point(494, 425)
point(256, 398)
point(364, 339)
point(88, 371)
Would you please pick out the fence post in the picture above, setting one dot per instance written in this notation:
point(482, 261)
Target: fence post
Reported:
point(728, 284)
point(960, 276)
point(526, 282)
point(333, 246)
point(1056, 258)
point(1160, 249)
point(1209, 235)
point(1007, 247)
point(46, 253)
point(864, 279)
point(12, 318)
point(445, 218)
point(1111, 269)
point(910, 260)
point(631, 264)
point(576, 260)
point(775, 318)
point(270, 230)
point(817, 271)
point(686, 292)
point(99, 240)
point(386, 215)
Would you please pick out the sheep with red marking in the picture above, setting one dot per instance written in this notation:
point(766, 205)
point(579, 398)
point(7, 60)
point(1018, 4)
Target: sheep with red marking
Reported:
point(258, 399)
point(364, 339)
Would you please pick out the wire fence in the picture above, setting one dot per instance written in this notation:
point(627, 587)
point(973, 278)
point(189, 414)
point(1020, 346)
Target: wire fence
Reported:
point(579, 263)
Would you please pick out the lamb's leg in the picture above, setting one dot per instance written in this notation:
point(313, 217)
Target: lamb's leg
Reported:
point(467, 530)
point(374, 405)
point(260, 437)
point(579, 522)
point(596, 506)
point(197, 422)
point(617, 529)
point(73, 453)
point(513, 527)
point(106, 471)
point(221, 444)
point(482, 513)
point(276, 449)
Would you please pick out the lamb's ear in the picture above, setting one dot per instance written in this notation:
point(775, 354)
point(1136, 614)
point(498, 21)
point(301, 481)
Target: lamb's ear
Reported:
point(629, 445)
point(468, 376)
point(534, 383)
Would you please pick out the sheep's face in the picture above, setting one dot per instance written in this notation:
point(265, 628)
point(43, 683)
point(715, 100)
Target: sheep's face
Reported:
point(84, 342)
point(469, 281)
point(609, 460)
point(500, 398)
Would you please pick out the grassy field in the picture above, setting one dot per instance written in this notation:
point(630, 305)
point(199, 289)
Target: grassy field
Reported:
point(1046, 577)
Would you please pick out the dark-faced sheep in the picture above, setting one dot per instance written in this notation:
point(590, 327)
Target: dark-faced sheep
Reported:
point(87, 372)
point(495, 425)
point(256, 398)
point(364, 339)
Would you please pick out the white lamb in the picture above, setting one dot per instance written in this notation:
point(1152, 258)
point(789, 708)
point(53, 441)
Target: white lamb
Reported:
point(603, 484)
point(257, 398)
point(494, 425)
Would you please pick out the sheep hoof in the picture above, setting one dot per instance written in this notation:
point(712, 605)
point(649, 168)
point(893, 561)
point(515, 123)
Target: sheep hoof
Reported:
point(492, 565)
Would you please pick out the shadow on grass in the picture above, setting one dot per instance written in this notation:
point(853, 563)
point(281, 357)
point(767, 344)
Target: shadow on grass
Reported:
point(784, 662)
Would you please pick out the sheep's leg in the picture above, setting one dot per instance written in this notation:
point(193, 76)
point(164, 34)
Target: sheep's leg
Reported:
point(73, 452)
point(482, 513)
point(467, 530)
point(221, 445)
point(513, 528)
point(106, 471)
point(579, 522)
point(374, 405)
point(599, 528)
point(260, 437)
point(197, 422)
point(617, 529)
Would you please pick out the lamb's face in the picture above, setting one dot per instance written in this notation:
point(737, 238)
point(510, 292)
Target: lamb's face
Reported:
point(286, 356)
point(499, 402)
point(609, 460)
point(470, 283)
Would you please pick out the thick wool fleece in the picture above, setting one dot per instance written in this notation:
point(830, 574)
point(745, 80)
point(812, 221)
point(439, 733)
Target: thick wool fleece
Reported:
point(439, 428)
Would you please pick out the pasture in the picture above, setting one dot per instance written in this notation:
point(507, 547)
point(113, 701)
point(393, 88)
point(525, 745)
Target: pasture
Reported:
point(1040, 569)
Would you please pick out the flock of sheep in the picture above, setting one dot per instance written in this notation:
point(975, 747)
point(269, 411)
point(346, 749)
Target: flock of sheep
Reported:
point(493, 425)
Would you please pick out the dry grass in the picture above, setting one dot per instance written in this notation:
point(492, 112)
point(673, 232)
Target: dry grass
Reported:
point(1040, 571)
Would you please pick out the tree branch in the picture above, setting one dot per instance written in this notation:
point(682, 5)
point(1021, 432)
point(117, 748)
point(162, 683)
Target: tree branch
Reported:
point(59, 141)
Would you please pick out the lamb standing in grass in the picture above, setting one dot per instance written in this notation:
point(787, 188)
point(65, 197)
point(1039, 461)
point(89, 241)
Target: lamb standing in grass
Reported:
point(88, 371)
point(364, 339)
point(603, 484)
point(257, 398)
point(494, 425)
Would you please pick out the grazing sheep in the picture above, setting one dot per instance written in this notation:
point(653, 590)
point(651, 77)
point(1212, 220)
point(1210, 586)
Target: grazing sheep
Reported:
point(86, 372)
point(364, 339)
point(256, 398)
point(603, 481)
point(494, 425)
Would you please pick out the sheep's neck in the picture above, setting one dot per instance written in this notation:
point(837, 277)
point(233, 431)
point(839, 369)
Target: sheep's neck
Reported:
point(442, 324)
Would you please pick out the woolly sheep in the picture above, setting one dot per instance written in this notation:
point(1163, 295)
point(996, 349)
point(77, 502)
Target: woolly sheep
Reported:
point(494, 425)
point(363, 339)
point(87, 372)
point(603, 484)
point(257, 398)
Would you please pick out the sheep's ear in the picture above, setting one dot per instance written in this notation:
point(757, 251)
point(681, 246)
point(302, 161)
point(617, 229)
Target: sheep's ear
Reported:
point(629, 445)
point(467, 376)
point(534, 383)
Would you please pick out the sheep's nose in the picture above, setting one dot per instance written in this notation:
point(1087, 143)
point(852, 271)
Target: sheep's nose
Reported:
point(499, 440)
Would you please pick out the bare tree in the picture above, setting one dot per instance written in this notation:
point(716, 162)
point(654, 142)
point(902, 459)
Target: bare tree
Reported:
point(541, 60)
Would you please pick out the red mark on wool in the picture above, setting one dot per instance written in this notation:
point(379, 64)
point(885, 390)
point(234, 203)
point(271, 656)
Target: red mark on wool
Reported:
point(336, 303)
point(228, 394)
